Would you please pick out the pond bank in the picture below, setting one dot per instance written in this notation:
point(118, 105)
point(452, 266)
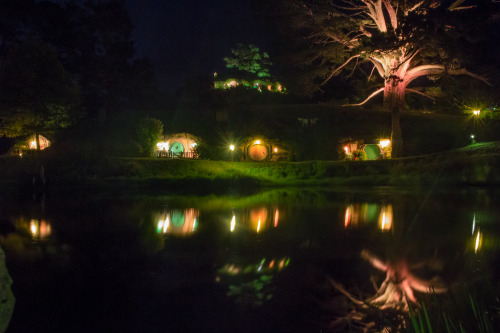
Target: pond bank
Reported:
point(474, 165)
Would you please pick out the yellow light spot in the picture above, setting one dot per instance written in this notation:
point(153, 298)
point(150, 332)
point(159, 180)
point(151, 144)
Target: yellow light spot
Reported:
point(275, 149)
point(476, 112)
point(166, 225)
point(258, 226)
point(257, 142)
point(233, 223)
point(384, 143)
point(33, 227)
point(33, 144)
point(231, 147)
point(478, 241)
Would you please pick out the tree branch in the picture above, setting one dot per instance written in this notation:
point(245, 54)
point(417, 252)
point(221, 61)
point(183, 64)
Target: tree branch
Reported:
point(422, 70)
point(420, 93)
point(335, 71)
point(369, 97)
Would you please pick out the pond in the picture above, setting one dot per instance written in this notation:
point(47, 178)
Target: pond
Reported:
point(280, 260)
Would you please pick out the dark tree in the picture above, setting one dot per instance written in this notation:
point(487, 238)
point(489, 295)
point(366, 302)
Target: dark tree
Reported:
point(37, 92)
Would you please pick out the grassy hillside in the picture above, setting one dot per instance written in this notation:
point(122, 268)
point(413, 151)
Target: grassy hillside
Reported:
point(476, 164)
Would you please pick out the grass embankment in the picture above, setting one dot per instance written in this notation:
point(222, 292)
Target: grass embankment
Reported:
point(473, 165)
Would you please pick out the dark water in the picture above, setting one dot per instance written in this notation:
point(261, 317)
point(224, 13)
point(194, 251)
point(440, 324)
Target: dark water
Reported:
point(238, 263)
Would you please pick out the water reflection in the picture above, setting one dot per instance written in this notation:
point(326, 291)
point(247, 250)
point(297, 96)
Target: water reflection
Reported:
point(273, 250)
point(178, 222)
point(251, 284)
point(360, 214)
point(257, 219)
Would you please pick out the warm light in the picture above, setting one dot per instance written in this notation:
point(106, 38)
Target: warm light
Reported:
point(257, 142)
point(162, 146)
point(478, 241)
point(275, 149)
point(258, 226)
point(346, 149)
point(269, 87)
point(276, 217)
point(347, 217)
point(166, 224)
point(33, 144)
point(194, 144)
point(476, 112)
point(231, 147)
point(472, 136)
point(33, 228)
point(384, 143)
point(233, 223)
point(271, 264)
point(385, 219)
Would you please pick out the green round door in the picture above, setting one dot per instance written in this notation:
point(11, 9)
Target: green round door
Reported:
point(177, 148)
point(178, 218)
point(372, 151)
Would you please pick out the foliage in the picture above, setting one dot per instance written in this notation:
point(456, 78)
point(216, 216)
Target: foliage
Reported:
point(359, 154)
point(249, 58)
point(149, 131)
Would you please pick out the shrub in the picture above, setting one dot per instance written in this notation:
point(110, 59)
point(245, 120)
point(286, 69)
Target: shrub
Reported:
point(359, 155)
point(149, 131)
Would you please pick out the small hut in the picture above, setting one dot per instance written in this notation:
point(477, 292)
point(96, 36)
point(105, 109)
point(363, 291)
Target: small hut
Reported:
point(255, 149)
point(177, 145)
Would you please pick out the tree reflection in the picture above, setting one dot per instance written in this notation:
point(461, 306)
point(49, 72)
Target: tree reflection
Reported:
point(397, 292)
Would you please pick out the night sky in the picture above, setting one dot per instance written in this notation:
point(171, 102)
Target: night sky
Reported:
point(185, 39)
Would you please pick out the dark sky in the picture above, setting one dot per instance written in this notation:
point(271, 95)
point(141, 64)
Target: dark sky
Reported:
point(186, 38)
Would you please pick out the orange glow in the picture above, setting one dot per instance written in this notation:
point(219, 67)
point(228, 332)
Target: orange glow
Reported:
point(385, 218)
point(476, 112)
point(257, 142)
point(275, 149)
point(346, 148)
point(276, 217)
point(178, 222)
point(269, 87)
point(40, 228)
point(271, 264)
point(347, 217)
point(258, 218)
point(33, 144)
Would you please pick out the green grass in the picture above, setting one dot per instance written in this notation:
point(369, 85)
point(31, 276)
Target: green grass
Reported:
point(474, 165)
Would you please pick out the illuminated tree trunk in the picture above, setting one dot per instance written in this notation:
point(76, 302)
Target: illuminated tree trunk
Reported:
point(394, 94)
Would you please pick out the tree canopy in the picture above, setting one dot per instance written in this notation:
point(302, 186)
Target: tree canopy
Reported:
point(249, 58)
point(38, 94)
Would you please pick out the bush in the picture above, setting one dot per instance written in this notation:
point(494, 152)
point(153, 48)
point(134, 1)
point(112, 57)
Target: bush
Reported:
point(359, 155)
point(149, 131)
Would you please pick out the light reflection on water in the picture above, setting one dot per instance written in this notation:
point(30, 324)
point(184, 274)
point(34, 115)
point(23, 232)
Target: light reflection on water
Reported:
point(251, 251)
